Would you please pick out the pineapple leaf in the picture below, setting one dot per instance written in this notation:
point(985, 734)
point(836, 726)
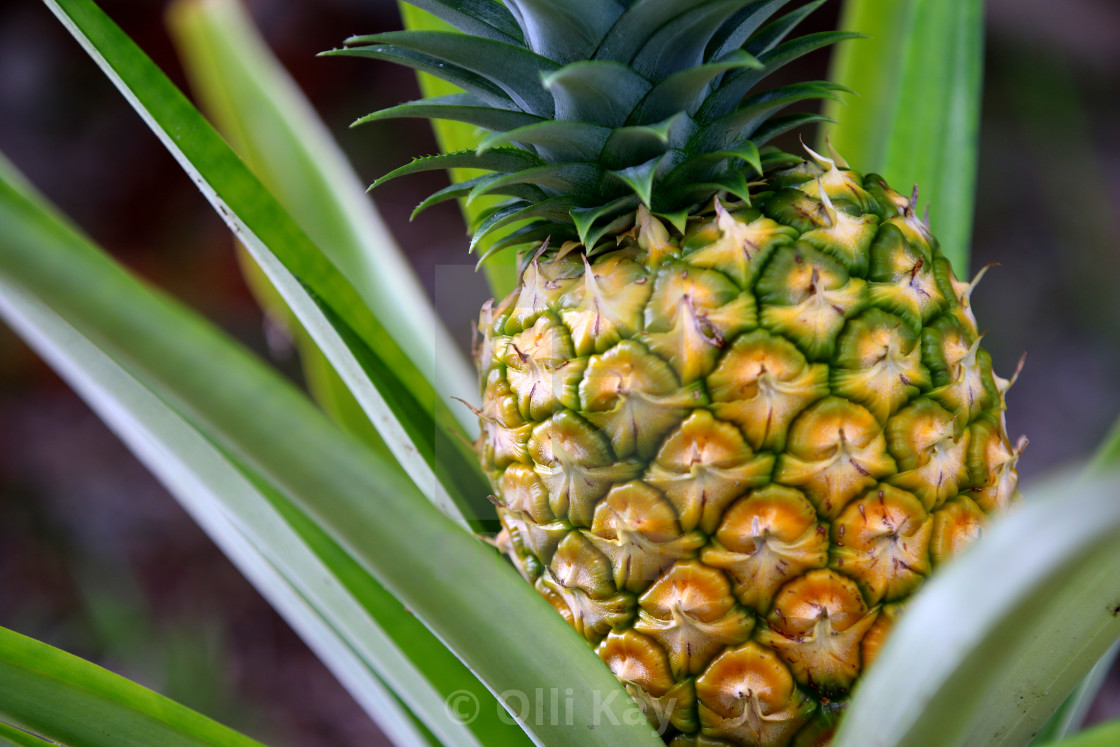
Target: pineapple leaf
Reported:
point(638, 142)
point(455, 136)
point(530, 233)
point(732, 182)
point(596, 235)
point(417, 426)
point(102, 708)
point(567, 31)
point(564, 141)
point(1108, 453)
point(705, 166)
point(756, 110)
point(684, 91)
point(780, 125)
point(918, 115)
point(726, 97)
point(514, 69)
point(636, 26)
point(680, 43)
point(678, 219)
point(483, 18)
point(558, 177)
point(495, 159)
point(748, 151)
point(18, 737)
point(774, 159)
point(495, 217)
point(1071, 715)
point(461, 77)
point(596, 91)
point(586, 218)
point(554, 208)
point(640, 179)
point(1102, 735)
point(464, 189)
point(998, 637)
point(772, 34)
point(457, 107)
point(272, 126)
point(153, 371)
point(453, 191)
point(741, 27)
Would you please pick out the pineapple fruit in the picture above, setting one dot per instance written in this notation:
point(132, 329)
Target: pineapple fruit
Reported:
point(737, 410)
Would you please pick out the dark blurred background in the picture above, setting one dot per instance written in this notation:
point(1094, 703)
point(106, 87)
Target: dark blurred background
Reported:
point(96, 558)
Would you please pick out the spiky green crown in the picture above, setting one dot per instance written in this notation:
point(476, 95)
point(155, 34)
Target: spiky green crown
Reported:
point(595, 106)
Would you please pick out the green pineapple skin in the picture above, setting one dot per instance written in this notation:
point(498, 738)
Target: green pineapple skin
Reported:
point(729, 456)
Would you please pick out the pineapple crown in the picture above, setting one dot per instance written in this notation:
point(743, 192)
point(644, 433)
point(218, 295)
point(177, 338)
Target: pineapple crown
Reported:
point(594, 107)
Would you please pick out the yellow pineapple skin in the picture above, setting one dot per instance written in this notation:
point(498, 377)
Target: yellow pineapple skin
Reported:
point(729, 456)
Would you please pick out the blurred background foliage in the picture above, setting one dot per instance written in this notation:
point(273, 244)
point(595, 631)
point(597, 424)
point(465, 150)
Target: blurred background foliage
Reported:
point(95, 557)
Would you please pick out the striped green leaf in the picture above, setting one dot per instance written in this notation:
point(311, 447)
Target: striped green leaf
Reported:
point(1071, 714)
point(1105, 735)
point(500, 269)
point(10, 735)
point(416, 425)
point(386, 658)
point(1108, 455)
point(274, 129)
point(917, 116)
point(101, 709)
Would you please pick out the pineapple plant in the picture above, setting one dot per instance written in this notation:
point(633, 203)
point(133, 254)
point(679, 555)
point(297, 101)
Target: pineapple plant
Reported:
point(736, 410)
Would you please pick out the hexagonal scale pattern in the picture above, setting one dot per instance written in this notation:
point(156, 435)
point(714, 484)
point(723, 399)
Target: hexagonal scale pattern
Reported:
point(729, 458)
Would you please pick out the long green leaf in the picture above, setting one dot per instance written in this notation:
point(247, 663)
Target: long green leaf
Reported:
point(1105, 735)
point(274, 129)
point(1108, 454)
point(994, 643)
point(417, 426)
point(353, 625)
point(1069, 717)
point(360, 631)
point(917, 116)
point(10, 735)
point(470, 598)
point(1071, 714)
point(209, 488)
point(501, 270)
point(101, 709)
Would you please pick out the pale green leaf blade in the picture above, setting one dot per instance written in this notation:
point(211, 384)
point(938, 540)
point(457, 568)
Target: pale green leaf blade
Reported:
point(10, 735)
point(359, 630)
point(417, 426)
point(462, 590)
point(917, 116)
point(275, 130)
point(1071, 714)
point(101, 709)
point(998, 638)
point(211, 491)
point(500, 269)
point(1104, 735)
point(322, 381)
point(1108, 454)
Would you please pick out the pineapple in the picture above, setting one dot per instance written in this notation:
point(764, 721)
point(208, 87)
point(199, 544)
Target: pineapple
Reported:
point(737, 410)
